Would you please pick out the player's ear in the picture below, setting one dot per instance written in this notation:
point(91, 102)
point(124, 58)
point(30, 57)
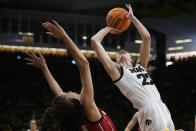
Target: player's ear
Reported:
point(132, 62)
point(138, 61)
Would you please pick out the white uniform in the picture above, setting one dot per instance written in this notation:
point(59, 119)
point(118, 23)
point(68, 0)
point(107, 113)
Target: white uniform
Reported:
point(139, 88)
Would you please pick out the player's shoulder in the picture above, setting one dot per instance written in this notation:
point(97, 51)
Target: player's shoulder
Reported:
point(137, 64)
point(116, 65)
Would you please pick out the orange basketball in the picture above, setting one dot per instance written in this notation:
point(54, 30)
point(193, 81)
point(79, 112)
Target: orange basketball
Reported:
point(117, 18)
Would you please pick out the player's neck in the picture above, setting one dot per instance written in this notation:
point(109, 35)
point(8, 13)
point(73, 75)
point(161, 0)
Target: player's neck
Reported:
point(125, 63)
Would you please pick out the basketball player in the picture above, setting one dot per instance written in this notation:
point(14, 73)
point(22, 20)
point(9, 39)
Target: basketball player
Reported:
point(133, 79)
point(71, 111)
point(33, 126)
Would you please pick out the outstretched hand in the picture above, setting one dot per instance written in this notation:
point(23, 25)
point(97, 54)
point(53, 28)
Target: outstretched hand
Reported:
point(36, 61)
point(54, 29)
point(130, 14)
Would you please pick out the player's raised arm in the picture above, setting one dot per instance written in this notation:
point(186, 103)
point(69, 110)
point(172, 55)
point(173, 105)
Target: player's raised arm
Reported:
point(87, 92)
point(112, 68)
point(39, 62)
point(146, 40)
point(55, 30)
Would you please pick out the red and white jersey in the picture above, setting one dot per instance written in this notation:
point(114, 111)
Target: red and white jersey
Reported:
point(137, 86)
point(104, 124)
point(139, 128)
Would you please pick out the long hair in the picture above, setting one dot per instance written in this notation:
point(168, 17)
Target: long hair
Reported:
point(150, 69)
point(63, 115)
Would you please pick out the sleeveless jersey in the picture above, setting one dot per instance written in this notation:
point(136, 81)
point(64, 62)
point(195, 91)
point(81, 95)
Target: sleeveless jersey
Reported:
point(139, 128)
point(104, 124)
point(137, 86)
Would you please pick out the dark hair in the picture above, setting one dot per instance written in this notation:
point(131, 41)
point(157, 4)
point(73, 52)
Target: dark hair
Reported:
point(63, 114)
point(150, 69)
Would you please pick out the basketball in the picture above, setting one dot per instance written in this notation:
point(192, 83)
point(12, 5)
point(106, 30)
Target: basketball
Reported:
point(117, 18)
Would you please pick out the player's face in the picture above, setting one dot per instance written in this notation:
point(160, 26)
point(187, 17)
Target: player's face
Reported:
point(123, 55)
point(33, 125)
point(71, 95)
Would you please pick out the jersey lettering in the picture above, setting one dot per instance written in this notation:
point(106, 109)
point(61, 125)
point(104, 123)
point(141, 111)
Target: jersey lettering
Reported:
point(146, 79)
point(142, 74)
point(137, 69)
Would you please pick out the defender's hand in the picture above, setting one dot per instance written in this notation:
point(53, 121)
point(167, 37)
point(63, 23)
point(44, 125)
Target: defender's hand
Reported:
point(36, 61)
point(54, 29)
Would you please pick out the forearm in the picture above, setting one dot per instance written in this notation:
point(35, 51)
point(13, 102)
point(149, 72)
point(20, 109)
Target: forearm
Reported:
point(111, 67)
point(130, 126)
point(127, 129)
point(96, 44)
point(75, 52)
point(51, 81)
point(132, 123)
point(101, 34)
point(141, 29)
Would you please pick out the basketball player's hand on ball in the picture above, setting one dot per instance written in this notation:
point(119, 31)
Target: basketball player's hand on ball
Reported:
point(36, 61)
point(130, 14)
point(54, 29)
point(113, 30)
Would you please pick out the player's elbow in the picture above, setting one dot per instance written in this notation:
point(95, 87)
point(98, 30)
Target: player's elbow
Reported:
point(93, 43)
point(84, 63)
point(93, 40)
point(147, 37)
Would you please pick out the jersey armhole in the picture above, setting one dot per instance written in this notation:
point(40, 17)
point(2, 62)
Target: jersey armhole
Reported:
point(96, 122)
point(140, 65)
point(122, 72)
